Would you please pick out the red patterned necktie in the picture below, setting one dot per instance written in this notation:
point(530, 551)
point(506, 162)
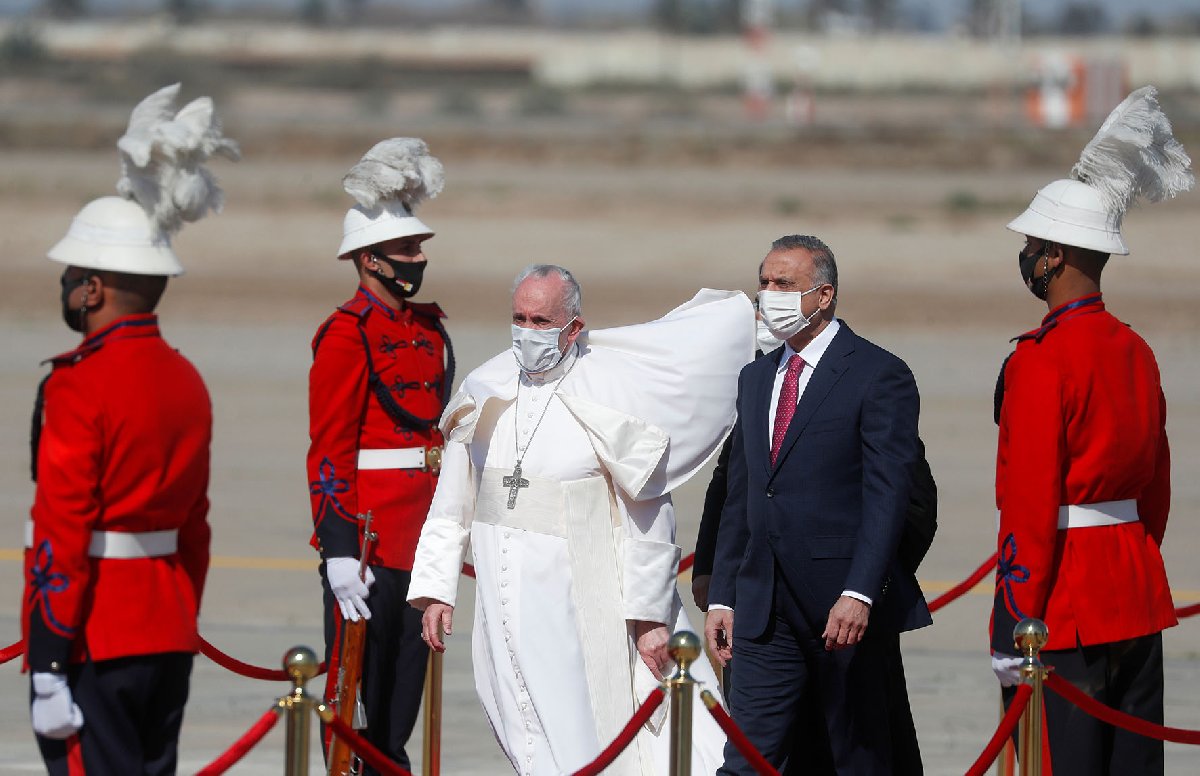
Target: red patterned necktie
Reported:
point(786, 406)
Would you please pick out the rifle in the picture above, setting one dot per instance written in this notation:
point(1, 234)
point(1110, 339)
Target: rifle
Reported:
point(347, 705)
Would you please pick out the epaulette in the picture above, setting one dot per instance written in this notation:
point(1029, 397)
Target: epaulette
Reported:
point(1088, 304)
point(427, 309)
point(359, 307)
point(73, 357)
point(1037, 335)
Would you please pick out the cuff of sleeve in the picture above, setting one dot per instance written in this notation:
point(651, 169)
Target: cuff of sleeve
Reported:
point(858, 597)
point(648, 578)
point(720, 606)
point(438, 562)
point(337, 535)
point(47, 651)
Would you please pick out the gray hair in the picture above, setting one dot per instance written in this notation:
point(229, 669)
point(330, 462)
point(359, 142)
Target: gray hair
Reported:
point(572, 295)
point(824, 265)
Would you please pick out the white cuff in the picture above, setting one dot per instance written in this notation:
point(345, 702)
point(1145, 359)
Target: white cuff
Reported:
point(648, 578)
point(858, 597)
point(438, 562)
point(720, 606)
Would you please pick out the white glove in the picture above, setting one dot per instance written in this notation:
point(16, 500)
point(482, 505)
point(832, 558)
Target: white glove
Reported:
point(350, 591)
point(1007, 669)
point(54, 712)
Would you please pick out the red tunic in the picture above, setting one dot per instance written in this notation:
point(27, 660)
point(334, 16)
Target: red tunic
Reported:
point(124, 447)
point(1082, 421)
point(405, 349)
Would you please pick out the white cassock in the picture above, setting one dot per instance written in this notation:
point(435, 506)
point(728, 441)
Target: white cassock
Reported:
point(589, 544)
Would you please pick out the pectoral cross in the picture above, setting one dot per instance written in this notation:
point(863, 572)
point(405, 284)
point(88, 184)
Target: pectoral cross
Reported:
point(514, 485)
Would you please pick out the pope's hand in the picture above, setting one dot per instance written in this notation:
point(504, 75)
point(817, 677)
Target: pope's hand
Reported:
point(54, 713)
point(437, 619)
point(847, 623)
point(652, 639)
point(700, 591)
point(718, 632)
point(350, 591)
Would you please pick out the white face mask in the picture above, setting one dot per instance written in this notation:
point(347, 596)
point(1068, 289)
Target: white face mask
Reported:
point(536, 350)
point(780, 311)
point(766, 340)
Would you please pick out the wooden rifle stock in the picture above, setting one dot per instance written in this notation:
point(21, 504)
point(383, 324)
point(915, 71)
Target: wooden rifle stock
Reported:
point(341, 760)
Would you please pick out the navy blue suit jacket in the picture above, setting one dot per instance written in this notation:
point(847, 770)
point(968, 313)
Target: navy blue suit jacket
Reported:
point(829, 514)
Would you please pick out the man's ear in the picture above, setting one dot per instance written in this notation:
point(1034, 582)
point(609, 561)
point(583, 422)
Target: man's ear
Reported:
point(93, 291)
point(827, 295)
point(1054, 251)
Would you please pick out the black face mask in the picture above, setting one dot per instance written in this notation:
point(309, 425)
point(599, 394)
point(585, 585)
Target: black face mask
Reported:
point(406, 280)
point(73, 318)
point(1039, 287)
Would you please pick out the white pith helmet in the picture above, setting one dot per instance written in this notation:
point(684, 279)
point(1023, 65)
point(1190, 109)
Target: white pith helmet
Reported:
point(388, 182)
point(1133, 155)
point(115, 235)
point(164, 184)
point(388, 220)
point(1071, 213)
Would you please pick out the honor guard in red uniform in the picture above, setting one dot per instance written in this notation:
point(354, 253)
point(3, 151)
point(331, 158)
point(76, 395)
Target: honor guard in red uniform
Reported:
point(117, 548)
point(1083, 467)
point(381, 374)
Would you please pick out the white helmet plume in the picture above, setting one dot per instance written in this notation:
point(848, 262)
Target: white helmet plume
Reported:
point(400, 168)
point(162, 159)
point(1134, 154)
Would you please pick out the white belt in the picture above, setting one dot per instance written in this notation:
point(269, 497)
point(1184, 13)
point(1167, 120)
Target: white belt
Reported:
point(123, 544)
point(1100, 513)
point(395, 458)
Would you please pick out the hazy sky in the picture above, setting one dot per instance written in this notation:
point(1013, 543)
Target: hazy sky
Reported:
point(944, 12)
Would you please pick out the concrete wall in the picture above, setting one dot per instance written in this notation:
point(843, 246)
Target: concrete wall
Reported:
point(636, 57)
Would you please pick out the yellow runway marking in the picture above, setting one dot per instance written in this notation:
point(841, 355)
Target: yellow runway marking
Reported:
point(931, 587)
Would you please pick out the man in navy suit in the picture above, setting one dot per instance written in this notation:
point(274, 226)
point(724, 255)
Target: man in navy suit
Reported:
point(819, 478)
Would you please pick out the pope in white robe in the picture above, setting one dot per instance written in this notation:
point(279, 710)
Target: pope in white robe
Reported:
point(579, 544)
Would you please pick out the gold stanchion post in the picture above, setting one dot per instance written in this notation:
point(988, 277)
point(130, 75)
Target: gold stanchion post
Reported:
point(1030, 636)
point(431, 761)
point(685, 648)
point(301, 664)
point(1006, 763)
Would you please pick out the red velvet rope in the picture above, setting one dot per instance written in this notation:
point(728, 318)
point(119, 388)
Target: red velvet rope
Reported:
point(369, 754)
point(12, 651)
point(961, 588)
point(738, 738)
point(243, 745)
point(626, 736)
point(1008, 723)
point(1120, 719)
point(1187, 611)
point(245, 669)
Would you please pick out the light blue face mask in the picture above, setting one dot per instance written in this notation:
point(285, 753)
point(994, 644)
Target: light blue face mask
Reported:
point(536, 350)
point(781, 313)
point(766, 340)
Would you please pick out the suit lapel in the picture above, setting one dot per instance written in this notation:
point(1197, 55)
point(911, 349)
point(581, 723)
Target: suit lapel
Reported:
point(829, 370)
point(756, 428)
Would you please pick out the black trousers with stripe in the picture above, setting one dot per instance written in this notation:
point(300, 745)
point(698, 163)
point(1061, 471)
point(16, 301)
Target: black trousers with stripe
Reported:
point(1126, 675)
point(132, 711)
point(394, 661)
